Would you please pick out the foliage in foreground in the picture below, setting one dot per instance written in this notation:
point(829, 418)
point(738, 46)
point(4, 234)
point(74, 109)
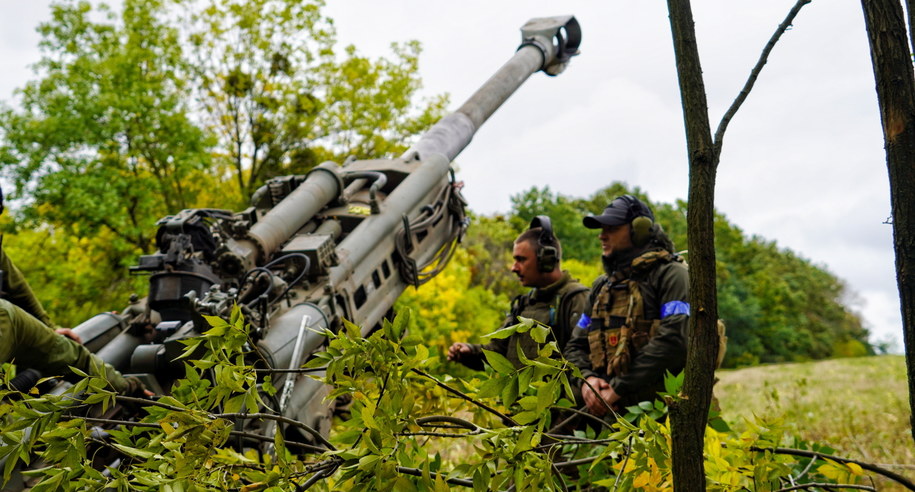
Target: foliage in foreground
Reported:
point(399, 411)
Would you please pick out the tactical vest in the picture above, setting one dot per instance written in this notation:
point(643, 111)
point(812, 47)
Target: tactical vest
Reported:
point(619, 328)
point(556, 314)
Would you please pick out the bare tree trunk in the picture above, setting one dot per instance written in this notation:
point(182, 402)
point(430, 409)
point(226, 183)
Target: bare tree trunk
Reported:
point(689, 414)
point(886, 31)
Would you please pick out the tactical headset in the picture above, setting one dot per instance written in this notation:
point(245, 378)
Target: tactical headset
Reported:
point(642, 226)
point(547, 254)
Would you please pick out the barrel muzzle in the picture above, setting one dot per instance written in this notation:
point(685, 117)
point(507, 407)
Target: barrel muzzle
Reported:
point(557, 38)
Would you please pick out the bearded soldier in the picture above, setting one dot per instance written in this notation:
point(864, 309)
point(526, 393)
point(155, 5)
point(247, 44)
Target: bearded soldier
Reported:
point(634, 330)
point(555, 299)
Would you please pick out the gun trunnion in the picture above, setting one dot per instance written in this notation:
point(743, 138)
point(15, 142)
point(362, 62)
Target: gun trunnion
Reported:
point(341, 242)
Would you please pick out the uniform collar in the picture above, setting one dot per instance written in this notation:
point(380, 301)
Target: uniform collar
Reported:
point(620, 263)
point(550, 291)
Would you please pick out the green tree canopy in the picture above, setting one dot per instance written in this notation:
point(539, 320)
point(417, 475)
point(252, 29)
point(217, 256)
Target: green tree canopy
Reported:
point(103, 138)
point(273, 91)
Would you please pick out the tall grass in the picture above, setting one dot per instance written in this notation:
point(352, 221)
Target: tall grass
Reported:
point(858, 406)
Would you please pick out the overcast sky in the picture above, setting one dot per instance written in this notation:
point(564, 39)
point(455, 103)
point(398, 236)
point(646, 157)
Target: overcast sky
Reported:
point(803, 161)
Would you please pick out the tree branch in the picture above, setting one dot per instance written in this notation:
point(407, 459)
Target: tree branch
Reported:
point(826, 486)
point(573, 463)
point(599, 397)
point(616, 483)
point(578, 412)
point(454, 423)
point(505, 418)
point(754, 74)
point(867, 466)
point(147, 402)
point(257, 437)
point(278, 418)
point(419, 473)
point(424, 421)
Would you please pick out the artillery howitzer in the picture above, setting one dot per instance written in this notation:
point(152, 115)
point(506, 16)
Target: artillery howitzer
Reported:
point(341, 242)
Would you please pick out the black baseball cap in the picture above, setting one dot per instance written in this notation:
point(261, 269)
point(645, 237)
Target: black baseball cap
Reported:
point(620, 211)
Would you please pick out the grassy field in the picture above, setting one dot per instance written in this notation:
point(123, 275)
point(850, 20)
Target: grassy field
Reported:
point(858, 406)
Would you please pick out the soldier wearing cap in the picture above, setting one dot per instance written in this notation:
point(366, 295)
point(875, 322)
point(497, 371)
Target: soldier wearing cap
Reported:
point(28, 339)
point(634, 330)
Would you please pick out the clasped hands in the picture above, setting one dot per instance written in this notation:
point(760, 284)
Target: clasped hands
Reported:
point(604, 391)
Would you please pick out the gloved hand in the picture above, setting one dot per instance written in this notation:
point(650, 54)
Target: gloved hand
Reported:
point(136, 388)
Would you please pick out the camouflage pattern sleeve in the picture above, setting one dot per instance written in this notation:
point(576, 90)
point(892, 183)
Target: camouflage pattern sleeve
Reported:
point(27, 341)
point(16, 289)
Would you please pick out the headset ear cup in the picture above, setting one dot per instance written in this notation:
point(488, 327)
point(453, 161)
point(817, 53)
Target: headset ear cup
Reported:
point(641, 231)
point(547, 258)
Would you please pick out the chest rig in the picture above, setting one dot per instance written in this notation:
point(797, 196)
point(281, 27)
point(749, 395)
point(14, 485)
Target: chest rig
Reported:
point(619, 328)
point(555, 314)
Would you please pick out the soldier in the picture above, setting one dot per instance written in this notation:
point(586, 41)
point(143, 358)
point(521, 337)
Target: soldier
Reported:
point(556, 299)
point(27, 339)
point(634, 330)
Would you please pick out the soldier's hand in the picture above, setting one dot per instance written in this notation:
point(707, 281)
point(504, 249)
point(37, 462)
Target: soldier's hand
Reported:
point(592, 399)
point(457, 351)
point(69, 334)
point(136, 388)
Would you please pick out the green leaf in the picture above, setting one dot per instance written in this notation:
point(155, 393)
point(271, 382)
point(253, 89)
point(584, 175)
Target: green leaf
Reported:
point(547, 394)
point(672, 384)
point(524, 378)
point(510, 391)
point(498, 362)
point(526, 417)
point(501, 333)
point(636, 409)
point(525, 324)
point(524, 439)
point(539, 333)
point(492, 387)
point(403, 484)
point(135, 452)
point(368, 415)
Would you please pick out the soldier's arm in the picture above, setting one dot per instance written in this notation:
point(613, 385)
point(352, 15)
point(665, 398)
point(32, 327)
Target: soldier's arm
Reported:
point(37, 346)
point(666, 351)
point(578, 350)
point(475, 357)
point(16, 290)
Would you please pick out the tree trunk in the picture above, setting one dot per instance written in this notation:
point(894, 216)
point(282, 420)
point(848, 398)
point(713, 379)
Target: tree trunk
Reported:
point(689, 414)
point(886, 31)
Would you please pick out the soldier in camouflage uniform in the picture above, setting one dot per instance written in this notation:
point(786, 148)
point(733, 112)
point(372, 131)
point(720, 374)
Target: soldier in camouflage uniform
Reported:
point(26, 336)
point(556, 299)
point(634, 330)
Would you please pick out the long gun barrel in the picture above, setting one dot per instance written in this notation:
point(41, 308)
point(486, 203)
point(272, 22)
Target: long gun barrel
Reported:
point(547, 44)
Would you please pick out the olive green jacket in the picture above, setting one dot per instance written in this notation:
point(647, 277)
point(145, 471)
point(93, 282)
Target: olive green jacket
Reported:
point(542, 305)
point(28, 339)
point(665, 351)
point(16, 290)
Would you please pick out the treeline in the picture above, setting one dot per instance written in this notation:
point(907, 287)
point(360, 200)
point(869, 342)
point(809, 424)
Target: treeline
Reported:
point(778, 306)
